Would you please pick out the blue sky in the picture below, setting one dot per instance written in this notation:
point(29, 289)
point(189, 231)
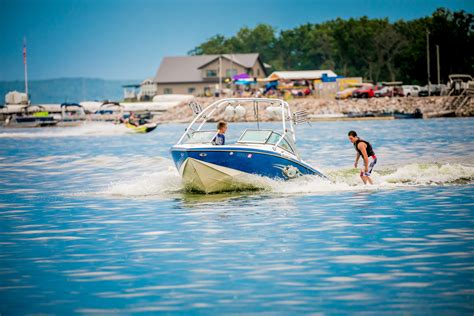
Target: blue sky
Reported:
point(125, 39)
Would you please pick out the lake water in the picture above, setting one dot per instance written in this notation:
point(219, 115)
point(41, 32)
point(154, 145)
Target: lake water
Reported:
point(94, 220)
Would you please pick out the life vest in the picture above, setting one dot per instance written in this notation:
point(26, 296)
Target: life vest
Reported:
point(370, 151)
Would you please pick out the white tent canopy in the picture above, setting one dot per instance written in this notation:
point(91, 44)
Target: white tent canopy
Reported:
point(300, 75)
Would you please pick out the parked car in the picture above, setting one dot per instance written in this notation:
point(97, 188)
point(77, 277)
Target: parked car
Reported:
point(411, 90)
point(436, 89)
point(366, 91)
point(398, 91)
point(345, 94)
point(384, 92)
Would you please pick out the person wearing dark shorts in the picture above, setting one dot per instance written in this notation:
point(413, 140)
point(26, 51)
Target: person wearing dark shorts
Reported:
point(364, 149)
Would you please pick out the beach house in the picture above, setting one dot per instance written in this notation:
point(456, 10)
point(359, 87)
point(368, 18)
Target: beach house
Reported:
point(205, 74)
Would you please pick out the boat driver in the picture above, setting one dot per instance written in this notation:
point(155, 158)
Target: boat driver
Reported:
point(220, 137)
point(364, 149)
point(133, 120)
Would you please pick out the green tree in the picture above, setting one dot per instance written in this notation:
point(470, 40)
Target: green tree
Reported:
point(215, 45)
point(375, 49)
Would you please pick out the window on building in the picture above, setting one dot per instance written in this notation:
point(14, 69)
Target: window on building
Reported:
point(191, 90)
point(211, 73)
point(168, 91)
point(258, 72)
point(230, 72)
point(250, 71)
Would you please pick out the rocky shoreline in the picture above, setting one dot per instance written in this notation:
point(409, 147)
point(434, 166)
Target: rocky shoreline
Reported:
point(330, 109)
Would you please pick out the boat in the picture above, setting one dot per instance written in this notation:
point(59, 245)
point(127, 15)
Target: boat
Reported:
point(144, 128)
point(35, 121)
point(72, 114)
point(34, 116)
point(417, 114)
point(370, 115)
point(109, 111)
point(142, 120)
point(258, 153)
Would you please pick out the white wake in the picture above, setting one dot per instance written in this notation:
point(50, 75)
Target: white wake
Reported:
point(168, 181)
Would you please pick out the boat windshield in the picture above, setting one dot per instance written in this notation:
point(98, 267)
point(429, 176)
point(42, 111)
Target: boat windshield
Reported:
point(200, 137)
point(255, 136)
point(275, 137)
point(265, 137)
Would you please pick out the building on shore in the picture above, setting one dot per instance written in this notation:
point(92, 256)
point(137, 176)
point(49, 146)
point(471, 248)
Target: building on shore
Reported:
point(143, 91)
point(148, 88)
point(205, 74)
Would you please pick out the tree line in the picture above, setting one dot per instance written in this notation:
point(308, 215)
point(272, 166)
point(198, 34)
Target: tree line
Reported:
point(375, 49)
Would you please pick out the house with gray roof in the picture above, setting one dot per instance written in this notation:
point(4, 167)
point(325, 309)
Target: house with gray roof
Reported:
point(199, 75)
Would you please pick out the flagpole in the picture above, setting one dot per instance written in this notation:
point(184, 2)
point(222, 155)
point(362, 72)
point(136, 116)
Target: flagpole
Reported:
point(26, 69)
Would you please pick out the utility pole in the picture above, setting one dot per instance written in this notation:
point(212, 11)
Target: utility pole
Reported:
point(25, 63)
point(220, 75)
point(232, 72)
point(437, 64)
point(231, 65)
point(428, 60)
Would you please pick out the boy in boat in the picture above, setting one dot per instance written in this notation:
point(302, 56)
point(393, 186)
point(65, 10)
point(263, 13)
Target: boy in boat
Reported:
point(364, 149)
point(220, 137)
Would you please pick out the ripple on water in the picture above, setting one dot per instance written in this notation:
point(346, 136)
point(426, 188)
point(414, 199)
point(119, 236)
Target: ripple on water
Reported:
point(107, 219)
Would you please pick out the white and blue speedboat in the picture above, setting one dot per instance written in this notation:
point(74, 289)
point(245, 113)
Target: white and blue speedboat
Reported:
point(257, 153)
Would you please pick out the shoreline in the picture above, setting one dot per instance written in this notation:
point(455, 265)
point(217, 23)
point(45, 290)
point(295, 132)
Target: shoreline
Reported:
point(311, 120)
point(334, 110)
point(318, 110)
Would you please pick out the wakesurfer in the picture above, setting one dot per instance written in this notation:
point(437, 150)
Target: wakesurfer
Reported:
point(364, 149)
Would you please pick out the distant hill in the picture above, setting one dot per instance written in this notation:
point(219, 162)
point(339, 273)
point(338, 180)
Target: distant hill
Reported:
point(67, 89)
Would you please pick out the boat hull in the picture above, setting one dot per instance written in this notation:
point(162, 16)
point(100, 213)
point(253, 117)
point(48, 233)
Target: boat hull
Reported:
point(404, 116)
point(32, 121)
point(215, 169)
point(206, 177)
